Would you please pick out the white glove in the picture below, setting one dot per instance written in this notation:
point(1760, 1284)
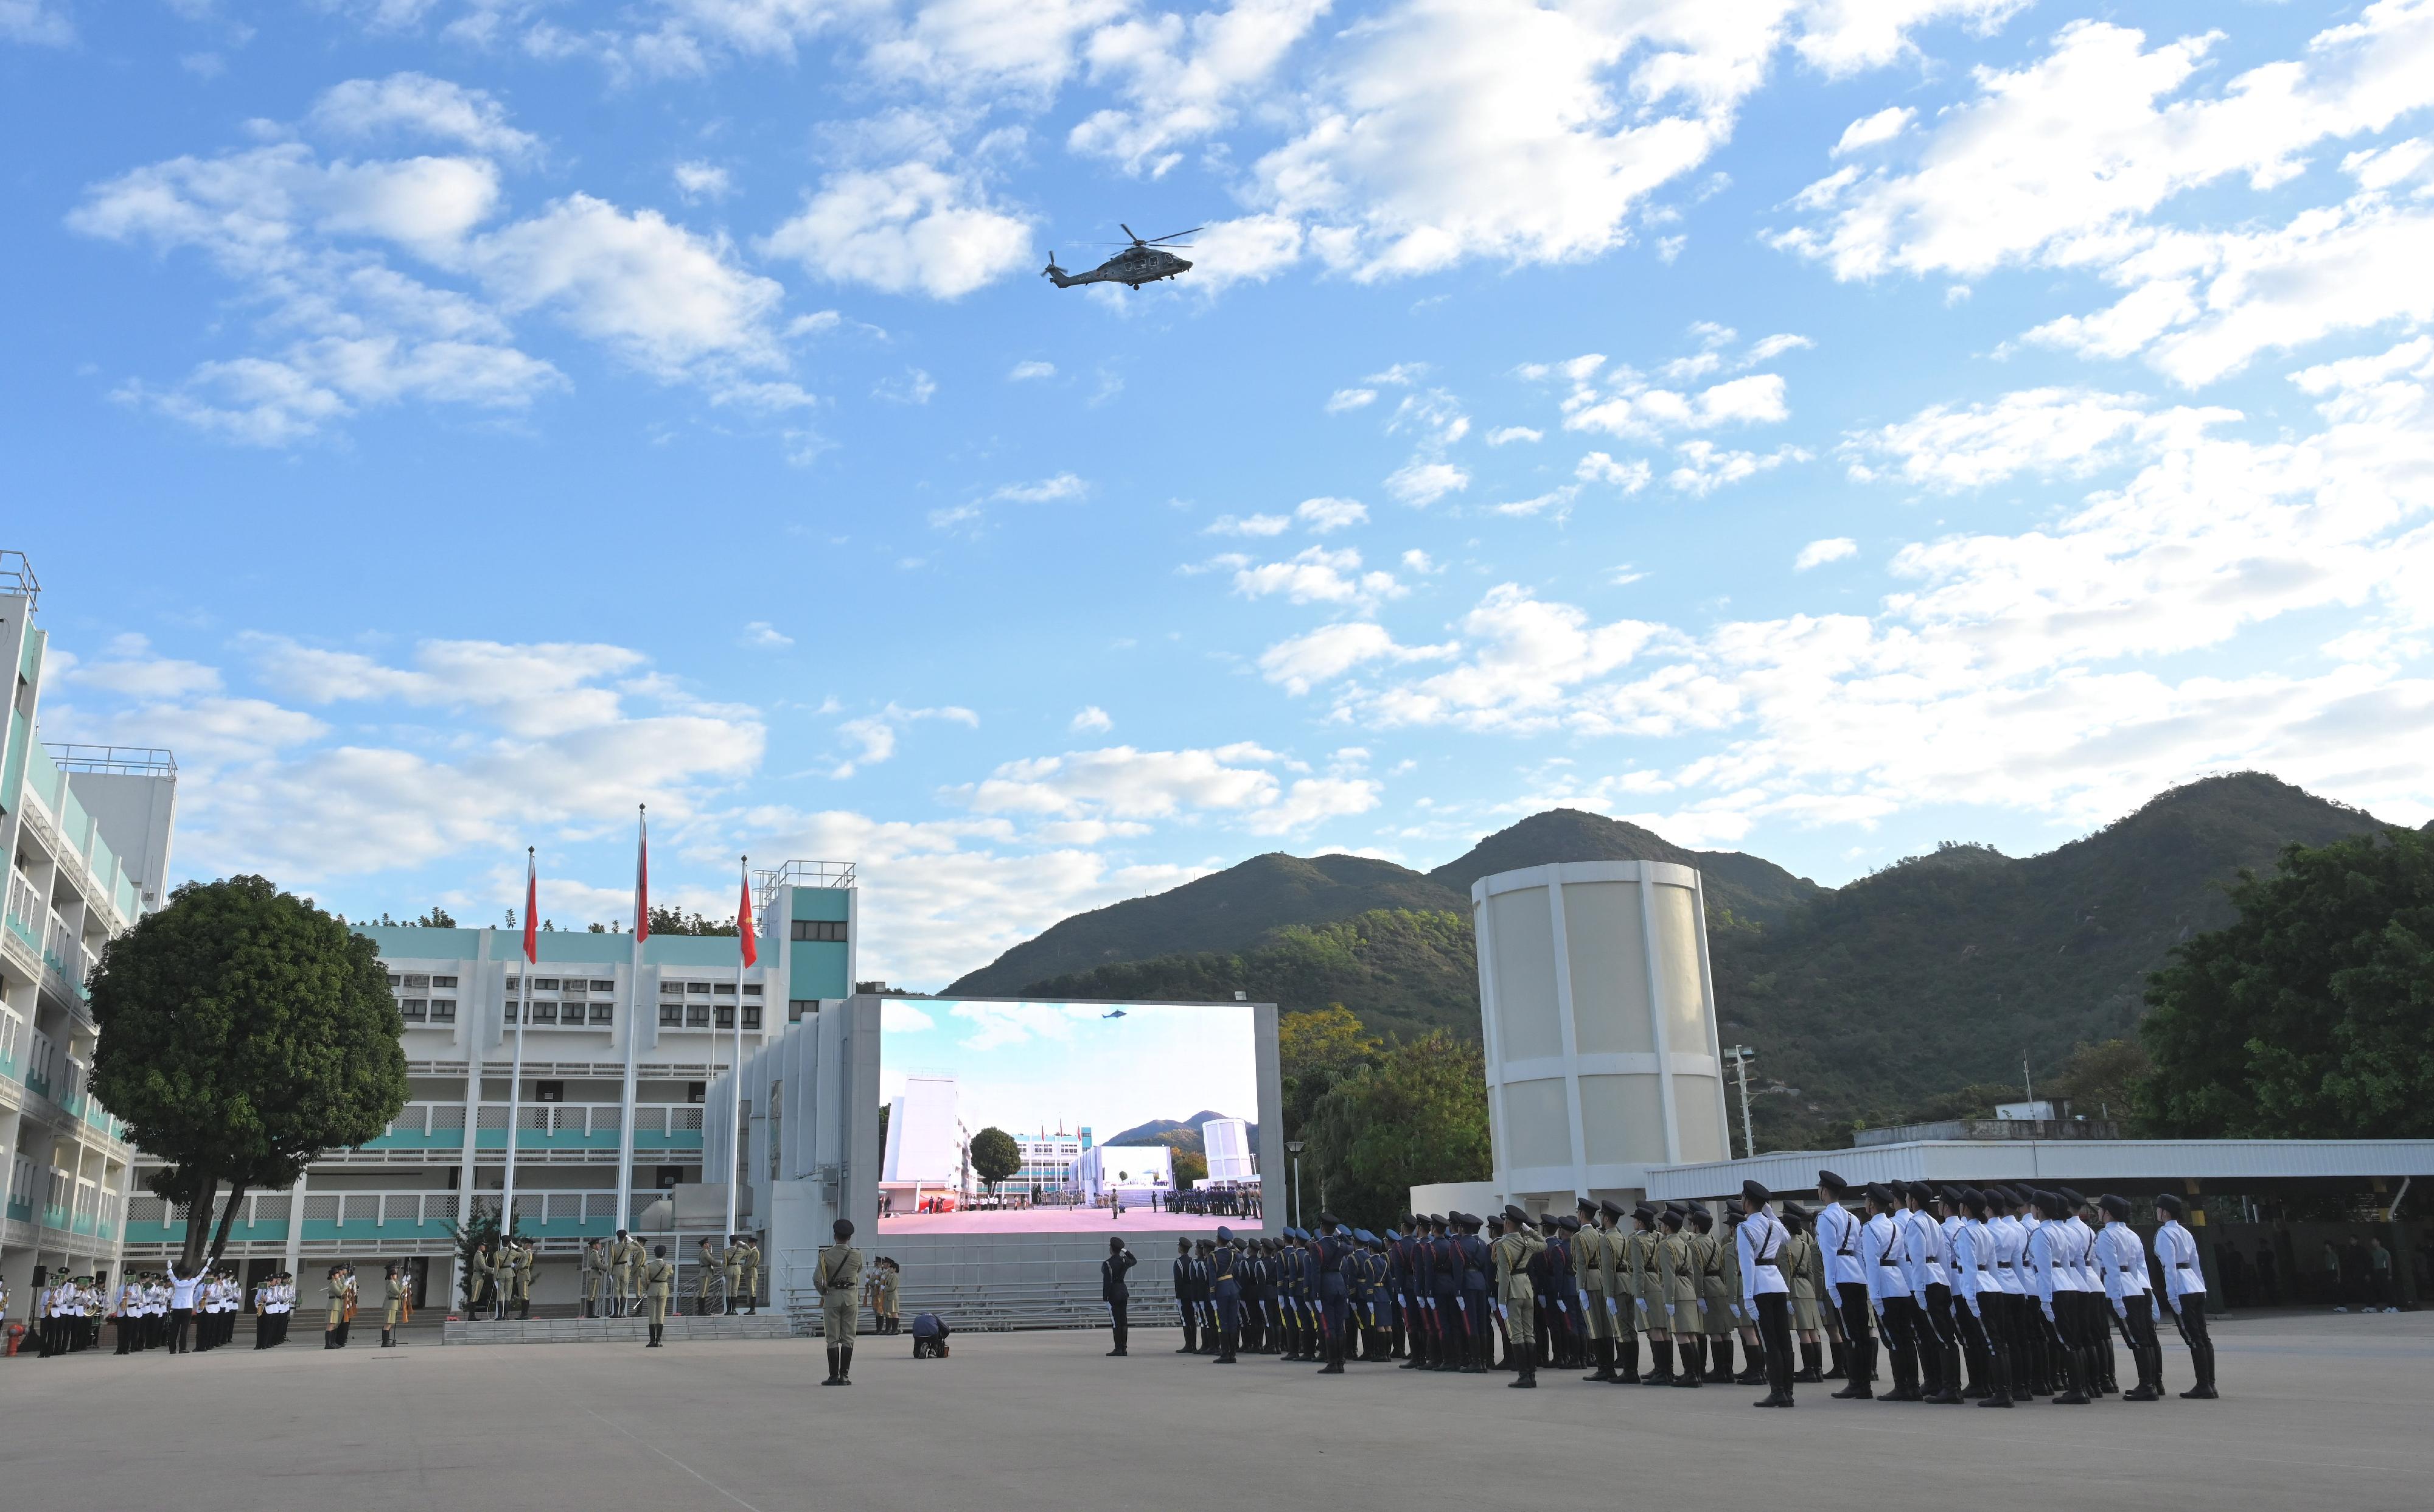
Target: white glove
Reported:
point(2121, 1309)
point(1501, 1314)
point(1702, 1308)
point(1919, 1296)
point(2048, 1310)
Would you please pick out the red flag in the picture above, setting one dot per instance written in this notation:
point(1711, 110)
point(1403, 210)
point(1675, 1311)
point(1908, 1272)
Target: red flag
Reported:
point(532, 909)
point(743, 916)
point(643, 880)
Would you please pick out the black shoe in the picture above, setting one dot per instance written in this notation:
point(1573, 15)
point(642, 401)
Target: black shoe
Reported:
point(1772, 1398)
point(1995, 1401)
point(2199, 1394)
point(1856, 1391)
point(2071, 1398)
point(1947, 1398)
point(2142, 1393)
point(1527, 1379)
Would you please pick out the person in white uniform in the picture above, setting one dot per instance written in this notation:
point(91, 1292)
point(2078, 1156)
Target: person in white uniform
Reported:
point(1766, 1291)
point(2184, 1290)
point(2123, 1259)
point(1930, 1290)
point(1846, 1284)
point(1881, 1253)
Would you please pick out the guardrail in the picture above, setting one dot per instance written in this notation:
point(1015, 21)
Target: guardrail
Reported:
point(1024, 1295)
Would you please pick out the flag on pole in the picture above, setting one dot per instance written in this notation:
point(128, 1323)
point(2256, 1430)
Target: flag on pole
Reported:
point(744, 915)
point(643, 880)
point(531, 908)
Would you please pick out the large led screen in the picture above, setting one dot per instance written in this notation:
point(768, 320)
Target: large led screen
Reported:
point(1061, 1117)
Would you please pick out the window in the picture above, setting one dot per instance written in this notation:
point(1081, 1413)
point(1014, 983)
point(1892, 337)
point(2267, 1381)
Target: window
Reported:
point(443, 981)
point(671, 1015)
point(671, 990)
point(751, 989)
point(752, 1015)
point(515, 985)
point(549, 1092)
point(699, 990)
point(726, 1015)
point(545, 984)
point(415, 1009)
point(797, 1008)
point(394, 979)
point(698, 1015)
point(572, 988)
point(598, 985)
point(695, 1091)
point(725, 990)
point(604, 1013)
point(832, 930)
point(443, 1011)
point(413, 982)
point(545, 1012)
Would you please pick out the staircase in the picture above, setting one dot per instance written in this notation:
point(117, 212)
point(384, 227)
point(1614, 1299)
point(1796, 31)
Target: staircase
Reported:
point(769, 1324)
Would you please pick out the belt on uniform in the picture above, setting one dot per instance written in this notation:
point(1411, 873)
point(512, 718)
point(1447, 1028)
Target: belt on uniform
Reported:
point(2180, 1264)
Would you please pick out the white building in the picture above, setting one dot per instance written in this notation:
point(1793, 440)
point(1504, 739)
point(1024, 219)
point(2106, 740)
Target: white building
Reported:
point(1047, 1161)
point(924, 1134)
point(1135, 1170)
point(86, 829)
point(1228, 1143)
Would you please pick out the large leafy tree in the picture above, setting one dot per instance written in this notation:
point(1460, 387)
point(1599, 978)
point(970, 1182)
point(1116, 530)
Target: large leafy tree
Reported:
point(1418, 1115)
point(244, 1032)
point(2312, 1015)
point(995, 1155)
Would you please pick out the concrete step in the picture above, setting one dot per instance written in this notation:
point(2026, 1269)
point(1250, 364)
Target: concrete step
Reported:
point(771, 1324)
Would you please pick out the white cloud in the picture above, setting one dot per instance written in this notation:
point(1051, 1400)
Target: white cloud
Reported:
point(1246, 249)
point(1842, 37)
point(1818, 553)
point(1183, 78)
point(985, 49)
point(1869, 131)
point(697, 180)
point(2060, 161)
point(1257, 525)
point(35, 23)
point(1705, 467)
point(912, 386)
point(1318, 576)
point(1420, 483)
point(1597, 467)
point(764, 636)
point(872, 737)
point(1344, 399)
point(1629, 406)
point(2060, 432)
point(1092, 720)
point(1026, 371)
point(1505, 434)
point(1322, 515)
point(909, 229)
point(1769, 348)
point(1327, 653)
point(417, 106)
point(1122, 782)
point(1047, 490)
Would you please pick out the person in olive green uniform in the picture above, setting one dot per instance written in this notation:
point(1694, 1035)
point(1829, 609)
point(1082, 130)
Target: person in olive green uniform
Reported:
point(393, 1311)
point(751, 1276)
point(479, 1275)
point(1805, 1266)
point(838, 1278)
point(705, 1281)
point(1647, 1290)
point(1720, 1287)
point(334, 1294)
point(659, 1282)
point(1677, 1272)
point(596, 1271)
point(1589, 1273)
point(1513, 1251)
point(890, 1279)
point(626, 1275)
point(519, 1277)
point(1622, 1291)
point(734, 1262)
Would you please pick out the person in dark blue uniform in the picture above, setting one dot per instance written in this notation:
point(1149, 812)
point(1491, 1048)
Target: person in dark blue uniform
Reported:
point(1478, 1304)
point(1187, 1296)
point(1332, 1248)
point(1445, 1300)
point(1225, 1285)
point(1115, 1292)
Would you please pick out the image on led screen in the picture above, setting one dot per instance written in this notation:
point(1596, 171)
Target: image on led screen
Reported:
point(1055, 1117)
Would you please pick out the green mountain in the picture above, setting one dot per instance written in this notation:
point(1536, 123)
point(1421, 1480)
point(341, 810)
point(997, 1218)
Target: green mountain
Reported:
point(1235, 909)
point(1183, 1136)
point(1935, 973)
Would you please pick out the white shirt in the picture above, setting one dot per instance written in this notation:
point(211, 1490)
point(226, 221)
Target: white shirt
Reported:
point(1838, 1245)
point(2123, 1260)
point(1760, 1240)
point(181, 1290)
point(1880, 1258)
point(1971, 1273)
point(2009, 1239)
point(2049, 1269)
point(2183, 1273)
point(1923, 1254)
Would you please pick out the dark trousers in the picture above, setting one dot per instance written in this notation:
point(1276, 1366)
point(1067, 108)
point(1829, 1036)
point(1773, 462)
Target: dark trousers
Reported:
point(1774, 1330)
point(180, 1318)
point(1116, 1310)
point(2192, 1319)
point(1852, 1303)
point(2138, 1322)
point(1229, 1320)
point(1904, 1323)
point(1940, 1345)
point(1982, 1335)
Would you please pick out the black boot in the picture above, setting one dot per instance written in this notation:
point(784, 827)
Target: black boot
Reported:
point(845, 1365)
point(1692, 1370)
point(1528, 1376)
point(1604, 1349)
point(1629, 1374)
point(1811, 1357)
point(1753, 1367)
point(1660, 1354)
point(833, 1366)
point(1720, 1361)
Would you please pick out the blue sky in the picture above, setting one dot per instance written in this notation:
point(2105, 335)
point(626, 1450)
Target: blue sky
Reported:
point(1039, 1066)
point(1818, 429)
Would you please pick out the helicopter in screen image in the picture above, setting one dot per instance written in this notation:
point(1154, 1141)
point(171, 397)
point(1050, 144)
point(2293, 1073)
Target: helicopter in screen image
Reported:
point(1144, 260)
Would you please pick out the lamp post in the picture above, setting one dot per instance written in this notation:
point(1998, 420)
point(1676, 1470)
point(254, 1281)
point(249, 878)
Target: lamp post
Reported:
point(1293, 1147)
point(1741, 1055)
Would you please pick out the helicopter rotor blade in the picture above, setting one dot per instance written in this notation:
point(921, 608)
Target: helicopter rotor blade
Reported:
point(1172, 234)
point(1129, 231)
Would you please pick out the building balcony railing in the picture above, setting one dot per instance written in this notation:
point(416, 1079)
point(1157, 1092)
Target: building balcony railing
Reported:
point(54, 1216)
point(21, 1212)
point(544, 1127)
point(378, 1218)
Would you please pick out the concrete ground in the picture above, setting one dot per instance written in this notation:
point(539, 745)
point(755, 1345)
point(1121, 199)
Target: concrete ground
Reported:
point(1055, 1221)
point(2318, 1411)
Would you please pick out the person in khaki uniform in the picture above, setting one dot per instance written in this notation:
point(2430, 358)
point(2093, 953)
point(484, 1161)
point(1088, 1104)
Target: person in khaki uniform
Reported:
point(595, 1272)
point(1514, 1249)
point(1622, 1291)
point(625, 1274)
point(1720, 1287)
point(733, 1264)
point(393, 1309)
point(706, 1277)
point(890, 1280)
point(519, 1269)
point(1806, 1267)
point(1677, 1278)
point(481, 1273)
point(1588, 1280)
point(659, 1280)
point(1647, 1288)
point(751, 1276)
point(838, 1280)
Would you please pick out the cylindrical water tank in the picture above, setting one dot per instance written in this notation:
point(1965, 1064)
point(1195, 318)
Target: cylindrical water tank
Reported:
point(1598, 1015)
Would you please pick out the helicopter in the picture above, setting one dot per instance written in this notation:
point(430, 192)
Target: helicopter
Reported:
point(1145, 260)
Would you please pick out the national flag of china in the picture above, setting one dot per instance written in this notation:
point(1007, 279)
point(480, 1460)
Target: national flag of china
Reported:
point(532, 909)
point(642, 882)
point(744, 918)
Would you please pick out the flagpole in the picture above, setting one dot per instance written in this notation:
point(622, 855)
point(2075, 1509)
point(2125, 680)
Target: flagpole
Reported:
point(735, 1074)
point(633, 1024)
point(516, 1075)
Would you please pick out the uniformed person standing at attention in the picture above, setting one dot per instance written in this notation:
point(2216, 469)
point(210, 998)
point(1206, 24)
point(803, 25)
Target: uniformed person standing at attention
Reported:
point(624, 1271)
point(1677, 1276)
point(335, 1296)
point(1226, 1288)
point(596, 1271)
point(1588, 1271)
point(751, 1276)
point(838, 1280)
point(2184, 1290)
point(1116, 1293)
point(483, 1274)
point(522, 1274)
point(732, 1263)
point(1185, 1279)
point(704, 1277)
point(393, 1310)
point(659, 1283)
point(1766, 1291)
point(1514, 1249)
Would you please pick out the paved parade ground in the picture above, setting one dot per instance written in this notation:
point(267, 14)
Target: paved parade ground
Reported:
point(1055, 1221)
point(2318, 1411)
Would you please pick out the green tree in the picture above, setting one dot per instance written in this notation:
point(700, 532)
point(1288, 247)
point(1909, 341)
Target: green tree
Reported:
point(244, 1032)
point(995, 1155)
point(1314, 1051)
point(1418, 1115)
point(2103, 1080)
point(2312, 1014)
point(480, 1230)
